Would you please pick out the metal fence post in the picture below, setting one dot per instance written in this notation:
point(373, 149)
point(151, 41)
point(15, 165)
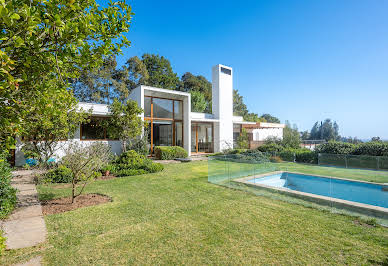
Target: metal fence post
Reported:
point(346, 161)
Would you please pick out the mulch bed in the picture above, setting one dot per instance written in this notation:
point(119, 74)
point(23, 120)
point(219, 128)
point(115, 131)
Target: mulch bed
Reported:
point(64, 204)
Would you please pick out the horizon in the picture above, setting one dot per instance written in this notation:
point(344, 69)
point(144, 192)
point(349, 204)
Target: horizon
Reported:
point(299, 61)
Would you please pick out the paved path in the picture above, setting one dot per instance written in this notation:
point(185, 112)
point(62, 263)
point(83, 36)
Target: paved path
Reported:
point(25, 227)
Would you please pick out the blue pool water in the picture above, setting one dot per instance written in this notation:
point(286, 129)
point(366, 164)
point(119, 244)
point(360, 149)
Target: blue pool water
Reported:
point(366, 193)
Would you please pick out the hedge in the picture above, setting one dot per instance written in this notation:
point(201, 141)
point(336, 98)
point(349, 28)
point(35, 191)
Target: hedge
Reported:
point(7, 192)
point(170, 152)
point(299, 155)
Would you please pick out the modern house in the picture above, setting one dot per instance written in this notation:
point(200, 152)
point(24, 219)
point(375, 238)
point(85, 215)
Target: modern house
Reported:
point(171, 122)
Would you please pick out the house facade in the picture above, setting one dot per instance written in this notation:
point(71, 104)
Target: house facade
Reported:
point(170, 120)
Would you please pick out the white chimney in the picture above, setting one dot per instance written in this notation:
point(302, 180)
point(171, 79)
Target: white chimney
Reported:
point(222, 106)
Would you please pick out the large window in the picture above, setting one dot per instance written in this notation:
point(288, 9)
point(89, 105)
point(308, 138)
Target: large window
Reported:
point(96, 129)
point(166, 121)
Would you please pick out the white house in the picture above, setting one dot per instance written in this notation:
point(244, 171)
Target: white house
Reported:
point(259, 132)
point(171, 121)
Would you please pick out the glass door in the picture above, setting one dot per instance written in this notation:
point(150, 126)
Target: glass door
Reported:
point(202, 138)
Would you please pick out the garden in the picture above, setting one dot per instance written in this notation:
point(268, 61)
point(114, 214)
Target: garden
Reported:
point(177, 217)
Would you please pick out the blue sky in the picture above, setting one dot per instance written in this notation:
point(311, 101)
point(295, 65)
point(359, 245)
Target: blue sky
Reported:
point(301, 61)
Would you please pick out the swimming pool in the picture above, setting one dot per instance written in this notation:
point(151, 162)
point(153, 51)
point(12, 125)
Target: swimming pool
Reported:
point(355, 191)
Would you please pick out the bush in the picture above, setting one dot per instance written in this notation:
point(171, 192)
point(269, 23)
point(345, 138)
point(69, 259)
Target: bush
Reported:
point(170, 152)
point(299, 155)
point(276, 159)
point(2, 243)
point(131, 163)
point(334, 147)
point(372, 149)
point(62, 174)
point(7, 192)
point(272, 148)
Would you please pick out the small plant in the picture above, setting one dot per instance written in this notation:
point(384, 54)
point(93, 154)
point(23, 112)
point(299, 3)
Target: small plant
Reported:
point(108, 169)
point(62, 174)
point(131, 163)
point(7, 192)
point(2, 243)
point(85, 163)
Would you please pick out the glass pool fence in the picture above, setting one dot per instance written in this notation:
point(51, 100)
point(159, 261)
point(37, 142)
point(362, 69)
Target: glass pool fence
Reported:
point(351, 191)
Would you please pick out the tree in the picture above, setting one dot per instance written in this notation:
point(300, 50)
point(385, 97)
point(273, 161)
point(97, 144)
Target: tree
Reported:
point(239, 107)
point(84, 163)
point(327, 130)
point(305, 135)
point(125, 122)
point(198, 102)
point(44, 44)
point(376, 139)
point(243, 140)
point(160, 72)
point(201, 85)
point(291, 136)
point(97, 85)
point(51, 120)
point(270, 119)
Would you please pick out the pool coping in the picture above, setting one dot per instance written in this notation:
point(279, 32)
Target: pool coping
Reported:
point(363, 208)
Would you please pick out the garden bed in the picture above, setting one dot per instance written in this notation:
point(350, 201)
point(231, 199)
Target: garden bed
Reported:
point(64, 204)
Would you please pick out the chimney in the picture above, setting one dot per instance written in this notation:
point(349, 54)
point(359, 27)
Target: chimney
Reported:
point(222, 106)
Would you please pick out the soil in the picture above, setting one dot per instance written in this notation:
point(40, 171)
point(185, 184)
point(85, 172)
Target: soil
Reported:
point(64, 204)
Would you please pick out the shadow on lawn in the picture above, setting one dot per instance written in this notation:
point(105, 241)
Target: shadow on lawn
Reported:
point(383, 262)
point(46, 196)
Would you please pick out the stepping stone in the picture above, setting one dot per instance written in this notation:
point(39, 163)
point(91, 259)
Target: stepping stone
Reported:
point(24, 232)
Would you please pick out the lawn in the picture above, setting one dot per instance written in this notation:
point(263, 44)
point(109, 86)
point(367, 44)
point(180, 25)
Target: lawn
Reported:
point(177, 217)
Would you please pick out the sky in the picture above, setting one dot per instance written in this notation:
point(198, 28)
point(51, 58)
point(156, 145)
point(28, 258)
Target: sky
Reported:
point(302, 61)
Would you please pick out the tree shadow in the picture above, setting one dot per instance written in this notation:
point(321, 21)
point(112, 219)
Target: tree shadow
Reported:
point(46, 196)
point(383, 262)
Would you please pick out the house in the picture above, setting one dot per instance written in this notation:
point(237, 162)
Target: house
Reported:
point(259, 132)
point(171, 122)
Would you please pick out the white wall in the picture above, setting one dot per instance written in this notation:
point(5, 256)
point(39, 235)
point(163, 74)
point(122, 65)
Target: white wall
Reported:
point(222, 106)
point(261, 134)
point(115, 146)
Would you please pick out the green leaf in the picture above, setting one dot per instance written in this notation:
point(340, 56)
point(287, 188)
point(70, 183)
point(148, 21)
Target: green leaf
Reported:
point(15, 16)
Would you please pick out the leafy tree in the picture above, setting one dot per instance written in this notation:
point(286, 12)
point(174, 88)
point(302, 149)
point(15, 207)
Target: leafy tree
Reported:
point(44, 44)
point(52, 119)
point(376, 139)
point(239, 107)
point(160, 72)
point(84, 163)
point(270, 119)
point(137, 73)
point(198, 102)
point(327, 130)
point(291, 136)
point(97, 85)
point(199, 84)
point(305, 135)
point(243, 140)
point(125, 122)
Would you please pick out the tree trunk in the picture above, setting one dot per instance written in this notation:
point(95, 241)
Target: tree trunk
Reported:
point(72, 192)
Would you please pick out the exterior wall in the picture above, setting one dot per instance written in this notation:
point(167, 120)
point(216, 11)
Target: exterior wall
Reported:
point(222, 105)
point(261, 134)
point(187, 124)
point(115, 146)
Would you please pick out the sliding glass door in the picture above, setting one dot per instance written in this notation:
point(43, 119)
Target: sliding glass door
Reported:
point(202, 137)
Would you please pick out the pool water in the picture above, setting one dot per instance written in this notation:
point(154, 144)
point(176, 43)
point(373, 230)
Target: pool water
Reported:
point(367, 193)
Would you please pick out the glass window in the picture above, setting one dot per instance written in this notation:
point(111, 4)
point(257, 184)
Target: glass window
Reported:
point(92, 130)
point(178, 134)
point(178, 110)
point(147, 106)
point(162, 108)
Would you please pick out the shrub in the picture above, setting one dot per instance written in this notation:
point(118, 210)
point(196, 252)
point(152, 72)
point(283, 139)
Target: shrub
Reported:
point(2, 243)
point(306, 156)
point(62, 174)
point(272, 148)
point(7, 192)
point(334, 147)
point(372, 149)
point(131, 163)
point(170, 152)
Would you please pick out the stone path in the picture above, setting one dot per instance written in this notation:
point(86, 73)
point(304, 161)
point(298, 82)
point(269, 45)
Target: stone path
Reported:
point(25, 227)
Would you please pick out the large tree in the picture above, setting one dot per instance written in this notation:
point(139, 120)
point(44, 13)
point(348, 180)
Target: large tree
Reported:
point(270, 119)
point(326, 130)
point(201, 92)
point(44, 44)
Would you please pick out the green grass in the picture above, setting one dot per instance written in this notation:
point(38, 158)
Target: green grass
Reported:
point(177, 217)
